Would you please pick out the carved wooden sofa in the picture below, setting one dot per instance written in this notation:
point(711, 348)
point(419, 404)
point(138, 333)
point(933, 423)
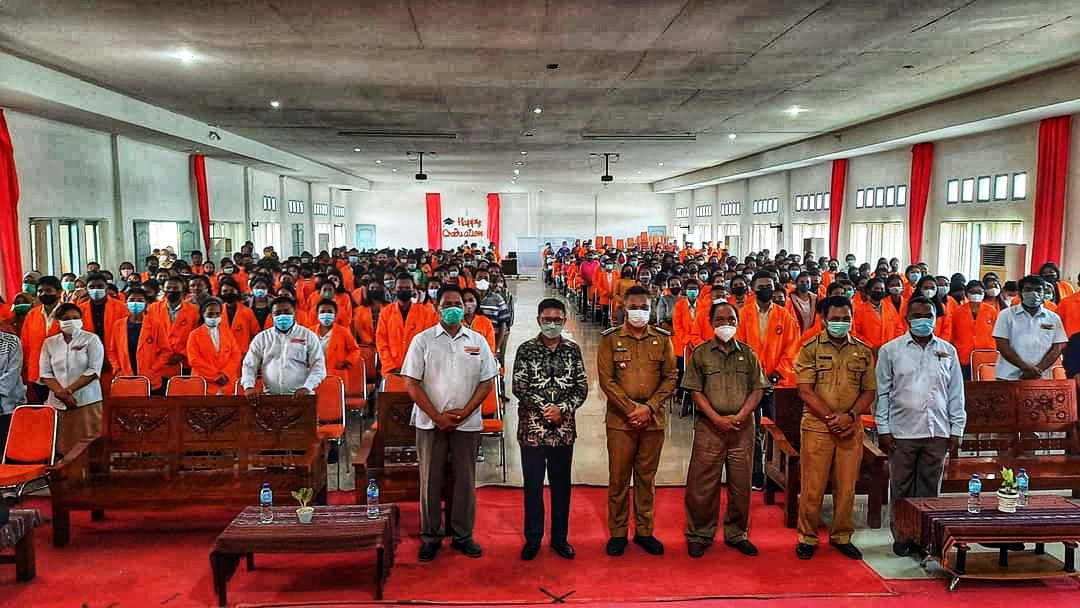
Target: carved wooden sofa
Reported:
point(782, 462)
point(1027, 423)
point(168, 452)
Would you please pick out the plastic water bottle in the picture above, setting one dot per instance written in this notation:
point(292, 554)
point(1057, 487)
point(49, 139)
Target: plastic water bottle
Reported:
point(974, 494)
point(372, 499)
point(1023, 485)
point(266, 502)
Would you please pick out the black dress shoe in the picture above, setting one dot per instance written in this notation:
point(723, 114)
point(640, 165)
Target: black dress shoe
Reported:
point(651, 545)
point(529, 551)
point(428, 551)
point(616, 546)
point(901, 549)
point(564, 550)
point(696, 550)
point(469, 548)
point(805, 551)
point(848, 550)
point(744, 546)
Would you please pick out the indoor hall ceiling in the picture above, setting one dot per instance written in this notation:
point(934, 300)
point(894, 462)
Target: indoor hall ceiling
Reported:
point(478, 68)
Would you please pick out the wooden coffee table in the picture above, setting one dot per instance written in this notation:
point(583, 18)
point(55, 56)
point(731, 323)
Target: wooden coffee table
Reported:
point(939, 525)
point(334, 529)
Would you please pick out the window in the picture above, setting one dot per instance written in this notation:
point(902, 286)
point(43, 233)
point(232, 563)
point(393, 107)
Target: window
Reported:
point(703, 211)
point(69, 247)
point(901, 196)
point(682, 212)
point(879, 199)
point(320, 209)
point(767, 205)
point(703, 233)
point(298, 239)
point(952, 188)
point(983, 189)
point(267, 234)
point(959, 243)
point(812, 202)
point(801, 232)
point(339, 210)
point(41, 247)
point(967, 190)
point(269, 203)
point(1019, 186)
point(92, 241)
point(871, 241)
point(764, 236)
point(296, 207)
point(226, 237)
point(860, 196)
point(730, 209)
point(1001, 187)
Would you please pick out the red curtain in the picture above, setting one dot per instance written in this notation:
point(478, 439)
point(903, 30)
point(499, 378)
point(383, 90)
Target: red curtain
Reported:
point(493, 219)
point(434, 220)
point(1052, 171)
point(836, 204)
point(10, 250)
point(198, 171)
point(922, 164)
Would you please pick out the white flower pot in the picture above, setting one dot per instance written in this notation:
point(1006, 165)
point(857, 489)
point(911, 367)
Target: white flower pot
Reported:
point(304, 514)
point(1007, 502)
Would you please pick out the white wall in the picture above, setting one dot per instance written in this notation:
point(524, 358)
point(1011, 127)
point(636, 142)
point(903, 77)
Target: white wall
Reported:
point(225, 188)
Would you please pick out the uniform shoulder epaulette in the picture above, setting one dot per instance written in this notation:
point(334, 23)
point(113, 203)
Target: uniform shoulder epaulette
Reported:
point(859, 342)
point(809, 340)
point(662, 331)
point(609, 331)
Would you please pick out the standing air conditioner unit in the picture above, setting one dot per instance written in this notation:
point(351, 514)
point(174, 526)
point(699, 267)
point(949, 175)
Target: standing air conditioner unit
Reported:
point(732, 244)
point(815, 245)
point(1006, 260)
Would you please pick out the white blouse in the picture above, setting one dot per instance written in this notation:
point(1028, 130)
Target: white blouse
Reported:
point(66, 361)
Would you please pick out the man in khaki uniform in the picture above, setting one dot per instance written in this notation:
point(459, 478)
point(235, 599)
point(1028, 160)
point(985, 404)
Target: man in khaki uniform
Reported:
point(727, 383)
point(835, 374)
point(637, 372)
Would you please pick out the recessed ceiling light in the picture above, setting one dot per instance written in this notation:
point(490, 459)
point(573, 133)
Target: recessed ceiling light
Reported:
point(517, 171)
point(731, 136)
point(538, 110)
point(794, 111)
point(660, 164)
point(520, 163)
point(639, 172)
point(378, 162)
point(275, 104)
point(394, 169)
point(908, 67)
point(356, 149)
point(523, 152)
point(186, 56)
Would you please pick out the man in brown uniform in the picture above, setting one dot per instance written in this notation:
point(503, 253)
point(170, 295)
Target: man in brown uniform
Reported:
point(835, 374)
point(727, 383)
point(636, 365)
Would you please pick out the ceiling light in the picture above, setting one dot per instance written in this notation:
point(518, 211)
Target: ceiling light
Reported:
point(520, 163)
point(517, 171)
point(186, 56)
point(731, 136)
point(639, 172)
point(605, 136)
point(356, 149)
point(660, 164)
point(378, 162)
point(523, 152)
point(394, 169)
point(275, 104)
point(538, 110)
point(794, 111)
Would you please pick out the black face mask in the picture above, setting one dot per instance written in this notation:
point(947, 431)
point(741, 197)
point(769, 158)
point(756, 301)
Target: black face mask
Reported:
point(48, 299)
point(764, 294)
point(739, 291)
point(405, 295)
point(877, 296)
point(676, 291)
point(230, 298)
point(173, 296)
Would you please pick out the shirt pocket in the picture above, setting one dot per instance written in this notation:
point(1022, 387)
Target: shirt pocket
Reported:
point(624, 356)
point(855, 370)
point(823, 370)
point(296, 354)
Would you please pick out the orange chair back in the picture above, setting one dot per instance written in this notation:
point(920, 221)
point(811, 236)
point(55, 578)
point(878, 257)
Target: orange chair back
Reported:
point(1059, 373)
point(368, 354)
point(130, 386)
point(32, 435)
point(490, 406)
point(330, 400)
point(186, 386)
point(394, 384)
point(985, 372)
point(983, 357)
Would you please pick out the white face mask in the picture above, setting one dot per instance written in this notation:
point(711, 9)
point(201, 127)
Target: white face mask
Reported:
point(725, 332)
point(637, 318)
point(71, 327)
point(993, 292)
point(212, 322)
point(483, 284)
point(470, 308)
point(975, 297)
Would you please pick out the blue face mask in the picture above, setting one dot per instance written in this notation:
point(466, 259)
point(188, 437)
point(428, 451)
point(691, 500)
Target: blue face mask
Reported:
point(327, 318)
point(259, 292)
point(284, 322)
point(838, 329)
point(136, 308)
point(922, 328)
point(1032, 299)
point(802, 288)
point(452, 315)
point(692, 293)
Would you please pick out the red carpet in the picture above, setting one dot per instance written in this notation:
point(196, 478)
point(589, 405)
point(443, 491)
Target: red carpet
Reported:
point(161, 559)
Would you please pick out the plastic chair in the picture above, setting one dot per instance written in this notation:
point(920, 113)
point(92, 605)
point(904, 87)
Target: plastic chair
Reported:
point(985, 372)
point(186, 386)
point(30, 449)
point(130, 386)
point(394, 384)
point(983, 357)
point(1059, 373)
point(491, 415)
point(330, 413)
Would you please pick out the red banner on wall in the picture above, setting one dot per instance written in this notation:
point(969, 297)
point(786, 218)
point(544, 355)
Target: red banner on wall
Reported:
point(836, 211)
point(434, 220)
point(198, 171)
point(1051, 176)
point(922, 164)
point(10, 249)
point(494, 213)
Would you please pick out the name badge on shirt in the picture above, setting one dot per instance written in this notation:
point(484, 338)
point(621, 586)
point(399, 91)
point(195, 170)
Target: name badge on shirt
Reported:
point(941, 354)
point(473, 350)
point(1047, 326)
point(296, 341)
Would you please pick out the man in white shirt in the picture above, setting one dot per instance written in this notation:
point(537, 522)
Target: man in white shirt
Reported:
point(920, 411)
point(1029, 337)
point(449, 370)
point(289, 356)
point(12, 389)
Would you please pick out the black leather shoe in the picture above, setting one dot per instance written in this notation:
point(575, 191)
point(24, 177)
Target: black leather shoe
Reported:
point(563, 550)
point(616, 546)
point(529, 551)
point(428, 551)
point(469, 548)
point(696, 550)
point(805, 551)
point(901, 549)
point(651, 545)
point(744, 546)
point(848, 550)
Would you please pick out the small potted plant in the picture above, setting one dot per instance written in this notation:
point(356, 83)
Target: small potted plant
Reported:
point(1008, 492)
point(304, 513)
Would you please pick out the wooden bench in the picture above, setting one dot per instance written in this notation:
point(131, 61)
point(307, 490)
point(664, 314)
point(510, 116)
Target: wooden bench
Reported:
point(782, 436)
point(169, 452)
point(1026, 423)
point(18, 534)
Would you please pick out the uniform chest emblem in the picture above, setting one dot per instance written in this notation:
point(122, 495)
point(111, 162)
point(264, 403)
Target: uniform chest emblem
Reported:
point(622, 365)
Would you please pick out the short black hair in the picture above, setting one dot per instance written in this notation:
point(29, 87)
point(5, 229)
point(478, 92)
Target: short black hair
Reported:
point(405, 276)
point(548, 303)
point(834, 302)
point(445, 289)
point(135, 291)
point(712, 309)
point(66, 307)
point(49, 281)
point(283, 300)
point(327, 302)
point(934, 306)
point(1031, 279)
point(209, 301)
point(470, 290)
point(636, 290)
point(95, 276)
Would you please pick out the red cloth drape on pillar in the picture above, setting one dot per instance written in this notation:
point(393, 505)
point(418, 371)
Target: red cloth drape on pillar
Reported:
point(198, 171)
point(836, 204)
point(922, 164)
point(1051, 175)
point(10, 250)
point(434, 220)
point(493, 219)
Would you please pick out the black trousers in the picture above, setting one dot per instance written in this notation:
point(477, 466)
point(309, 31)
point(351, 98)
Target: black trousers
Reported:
point(556, 462)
